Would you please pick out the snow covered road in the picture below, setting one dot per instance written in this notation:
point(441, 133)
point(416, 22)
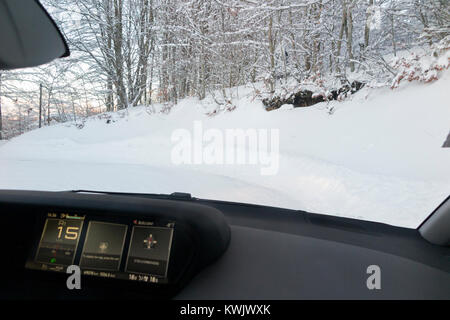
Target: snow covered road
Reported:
point(378, 157)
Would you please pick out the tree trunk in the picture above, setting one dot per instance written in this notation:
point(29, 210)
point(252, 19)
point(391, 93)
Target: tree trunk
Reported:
point(118, 41)
point(271, 55)
point(341, 36)
point(1, 126)
point(350, 38)
point(394, 47)
point(369, 15)
point(40, 105)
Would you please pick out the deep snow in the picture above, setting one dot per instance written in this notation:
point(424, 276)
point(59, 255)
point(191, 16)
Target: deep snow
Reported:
point(377, 157)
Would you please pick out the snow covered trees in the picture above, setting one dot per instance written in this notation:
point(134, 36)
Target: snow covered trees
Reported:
point(131, 52)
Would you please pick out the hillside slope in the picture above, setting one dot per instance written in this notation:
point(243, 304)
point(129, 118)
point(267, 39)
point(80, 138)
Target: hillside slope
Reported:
point(377, 157)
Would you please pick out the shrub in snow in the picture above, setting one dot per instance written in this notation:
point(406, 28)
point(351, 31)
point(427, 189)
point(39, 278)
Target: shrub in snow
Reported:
point(424, 67)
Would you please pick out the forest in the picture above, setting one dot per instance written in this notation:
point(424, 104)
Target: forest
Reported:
point(126, 53)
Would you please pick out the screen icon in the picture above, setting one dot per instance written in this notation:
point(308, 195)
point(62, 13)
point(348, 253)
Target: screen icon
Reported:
point(149, 250)
point(103, 246)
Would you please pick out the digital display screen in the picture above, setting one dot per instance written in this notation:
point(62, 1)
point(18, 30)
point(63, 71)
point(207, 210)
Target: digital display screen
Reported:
point(59, 241)
point(103, 246)
point(149, 250)
point(128, 249)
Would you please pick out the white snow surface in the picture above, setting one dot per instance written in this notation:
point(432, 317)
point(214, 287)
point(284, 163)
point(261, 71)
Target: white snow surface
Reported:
point(378, 157)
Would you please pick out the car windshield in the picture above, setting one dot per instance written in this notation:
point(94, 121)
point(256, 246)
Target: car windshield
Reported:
point(338, 107)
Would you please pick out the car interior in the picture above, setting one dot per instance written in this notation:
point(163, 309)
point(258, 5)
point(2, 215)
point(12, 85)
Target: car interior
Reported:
point(176, 246)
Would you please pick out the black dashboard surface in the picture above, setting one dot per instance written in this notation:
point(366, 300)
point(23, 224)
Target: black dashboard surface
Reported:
point(284, 254)
point(272, 254)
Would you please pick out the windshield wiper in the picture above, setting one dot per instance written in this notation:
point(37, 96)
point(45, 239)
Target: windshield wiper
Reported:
point(173, 196)
point(180, 196)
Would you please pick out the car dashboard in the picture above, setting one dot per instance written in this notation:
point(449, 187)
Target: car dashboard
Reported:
point(142, 246)
point(145, 246)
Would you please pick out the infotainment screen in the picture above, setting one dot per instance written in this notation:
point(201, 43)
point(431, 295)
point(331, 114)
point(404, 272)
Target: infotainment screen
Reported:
point(103, 246)
point(119, 248)
point(148, 250)
point(59, 241)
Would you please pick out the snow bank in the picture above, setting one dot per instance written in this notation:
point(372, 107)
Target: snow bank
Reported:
point(377, 157)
